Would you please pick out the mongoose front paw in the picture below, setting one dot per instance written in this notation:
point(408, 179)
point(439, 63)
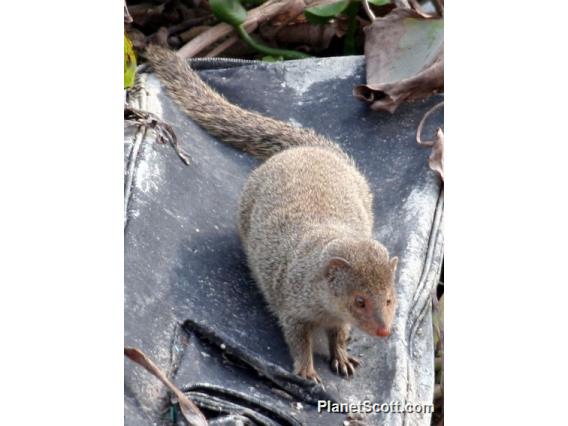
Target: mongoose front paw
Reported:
point(344, 364)
point(309, 373)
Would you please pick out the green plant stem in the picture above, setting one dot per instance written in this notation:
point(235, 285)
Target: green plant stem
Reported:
point(288, 54)
point(349, 47)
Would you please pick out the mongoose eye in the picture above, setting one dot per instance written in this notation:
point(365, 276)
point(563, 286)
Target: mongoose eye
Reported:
point(389, 302)
point(360, 301)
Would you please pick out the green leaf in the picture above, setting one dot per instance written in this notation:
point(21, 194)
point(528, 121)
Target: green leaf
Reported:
point(229, 11)
point(270, 58)
point(379, 2)
point(129, 63)
point(271, 51)
point(325, 12)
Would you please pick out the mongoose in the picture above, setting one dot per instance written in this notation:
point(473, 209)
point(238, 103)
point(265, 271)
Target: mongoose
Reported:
point(305, 220)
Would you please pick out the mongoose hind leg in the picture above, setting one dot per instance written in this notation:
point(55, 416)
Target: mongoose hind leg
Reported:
point(299, 338)
point(341, 362)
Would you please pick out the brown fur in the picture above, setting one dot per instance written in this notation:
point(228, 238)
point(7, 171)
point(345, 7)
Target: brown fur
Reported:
point(305, 220)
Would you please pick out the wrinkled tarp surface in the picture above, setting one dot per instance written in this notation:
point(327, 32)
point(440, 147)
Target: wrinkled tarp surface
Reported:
point(190, 303)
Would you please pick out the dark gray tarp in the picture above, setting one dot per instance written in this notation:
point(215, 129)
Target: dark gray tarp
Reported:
point(190, 303)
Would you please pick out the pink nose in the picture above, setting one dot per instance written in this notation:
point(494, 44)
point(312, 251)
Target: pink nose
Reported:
point(382, 331)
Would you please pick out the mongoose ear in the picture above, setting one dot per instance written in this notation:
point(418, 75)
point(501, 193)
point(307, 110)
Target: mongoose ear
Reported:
point(393, 263)
point(335, 264)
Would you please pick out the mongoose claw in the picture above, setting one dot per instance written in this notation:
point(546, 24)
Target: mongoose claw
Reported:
point(335, 366)
point(344, 365)
point(310, 374)
point(354, 361)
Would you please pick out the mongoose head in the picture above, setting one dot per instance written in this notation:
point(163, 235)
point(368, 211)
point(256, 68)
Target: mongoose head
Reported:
point(361, 276)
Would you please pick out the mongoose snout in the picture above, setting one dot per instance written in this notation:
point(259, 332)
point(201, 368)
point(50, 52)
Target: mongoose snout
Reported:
point(368, 278)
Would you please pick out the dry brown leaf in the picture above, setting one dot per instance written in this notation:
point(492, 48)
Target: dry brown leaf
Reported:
point(316, 36)
point(436, 159)
point(404, 54)
point(192, 414)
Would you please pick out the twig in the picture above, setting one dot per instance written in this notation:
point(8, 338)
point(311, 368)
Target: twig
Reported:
point(415, 5)
point(419, 130)
point(127, 18)
point(164, 132)
point(222, 47)
point(204, 40)
point(418, 9)
point(437, 392)
point(189, 410)
point(437, 363)
point(368, 10)
point(187, 24)
point(439, 330)
point(436, 324)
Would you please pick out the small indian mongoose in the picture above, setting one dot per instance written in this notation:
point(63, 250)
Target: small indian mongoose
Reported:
point(305, 220)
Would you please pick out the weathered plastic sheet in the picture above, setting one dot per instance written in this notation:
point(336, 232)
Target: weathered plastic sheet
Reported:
point(190, 303)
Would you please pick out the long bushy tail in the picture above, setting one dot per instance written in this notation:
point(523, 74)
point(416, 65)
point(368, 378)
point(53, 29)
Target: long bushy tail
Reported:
point(249, 131)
